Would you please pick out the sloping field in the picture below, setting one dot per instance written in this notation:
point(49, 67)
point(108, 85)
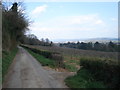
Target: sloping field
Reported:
point(79, 53)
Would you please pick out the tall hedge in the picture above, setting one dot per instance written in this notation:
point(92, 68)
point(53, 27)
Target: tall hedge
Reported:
point(103, 70)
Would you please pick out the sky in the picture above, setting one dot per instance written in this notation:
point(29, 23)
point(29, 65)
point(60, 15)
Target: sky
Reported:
point(73, 20)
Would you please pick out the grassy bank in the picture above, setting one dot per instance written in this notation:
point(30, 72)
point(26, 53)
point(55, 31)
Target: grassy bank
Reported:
point(7, 58)
point(44, 61)
point(95, 73)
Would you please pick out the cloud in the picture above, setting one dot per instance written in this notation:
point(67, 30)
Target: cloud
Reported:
point(75, 21)
point(38, 10)
point(87, 19)
point(60, 32)
point(69, 27)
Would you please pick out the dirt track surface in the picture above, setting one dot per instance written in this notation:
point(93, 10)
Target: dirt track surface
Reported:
point(26, 72)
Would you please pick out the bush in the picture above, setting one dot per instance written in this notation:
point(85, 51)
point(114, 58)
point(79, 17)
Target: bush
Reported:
point(58, 59)
point(103, 70)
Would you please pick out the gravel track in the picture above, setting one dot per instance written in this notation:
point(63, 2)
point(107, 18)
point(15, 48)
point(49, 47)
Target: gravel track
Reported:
point(27, 72)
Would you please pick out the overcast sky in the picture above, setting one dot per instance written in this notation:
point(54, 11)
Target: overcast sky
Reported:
point(73, 20)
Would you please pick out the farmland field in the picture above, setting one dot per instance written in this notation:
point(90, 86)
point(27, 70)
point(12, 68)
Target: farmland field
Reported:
point(72, 56)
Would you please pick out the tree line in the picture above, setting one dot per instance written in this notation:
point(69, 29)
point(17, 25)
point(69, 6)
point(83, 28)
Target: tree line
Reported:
point(14, 25)
point(31, 39)
point(110, 46)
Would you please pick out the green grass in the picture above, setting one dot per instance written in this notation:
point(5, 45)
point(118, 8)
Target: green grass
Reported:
point(83, 79)
point(73, 61)
point(44, 61)
point(71, 64)
point(7, 58)
point(71, 67)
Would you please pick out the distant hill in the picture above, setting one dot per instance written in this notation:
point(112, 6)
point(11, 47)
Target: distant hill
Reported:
point(103, 40)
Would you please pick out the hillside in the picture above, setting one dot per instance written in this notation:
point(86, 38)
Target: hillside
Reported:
point(102, 40)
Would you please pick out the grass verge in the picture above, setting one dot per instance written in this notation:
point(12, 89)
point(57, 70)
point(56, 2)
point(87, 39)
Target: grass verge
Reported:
point(44, 61)
point(7, 58)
